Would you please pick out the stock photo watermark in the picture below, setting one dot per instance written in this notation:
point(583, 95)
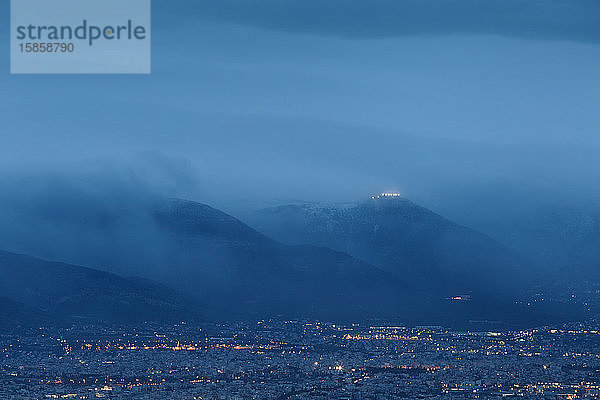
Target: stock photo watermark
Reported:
point(80, 36)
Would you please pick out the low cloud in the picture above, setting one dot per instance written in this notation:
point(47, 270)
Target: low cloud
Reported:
point(529, 19)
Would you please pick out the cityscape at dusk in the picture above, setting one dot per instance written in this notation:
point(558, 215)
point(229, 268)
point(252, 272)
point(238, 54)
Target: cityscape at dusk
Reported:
point(281, 359)
point(299, 199)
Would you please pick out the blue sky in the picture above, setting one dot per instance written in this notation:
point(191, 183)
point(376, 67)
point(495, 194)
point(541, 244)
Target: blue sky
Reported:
point(266, 101)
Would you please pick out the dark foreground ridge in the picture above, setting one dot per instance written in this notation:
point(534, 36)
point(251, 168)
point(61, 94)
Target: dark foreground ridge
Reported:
point(40, 291)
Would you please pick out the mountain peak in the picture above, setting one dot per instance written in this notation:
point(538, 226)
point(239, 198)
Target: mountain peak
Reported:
point(400, 237)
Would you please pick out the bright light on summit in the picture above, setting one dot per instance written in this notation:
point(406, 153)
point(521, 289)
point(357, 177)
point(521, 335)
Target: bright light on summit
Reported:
point(385, 195)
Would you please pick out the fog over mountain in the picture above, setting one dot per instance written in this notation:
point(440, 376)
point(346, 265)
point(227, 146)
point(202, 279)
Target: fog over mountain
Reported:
point(483, 113)
point(231, 269)
point(565, 240)
point(468, 108)
point(408, 268)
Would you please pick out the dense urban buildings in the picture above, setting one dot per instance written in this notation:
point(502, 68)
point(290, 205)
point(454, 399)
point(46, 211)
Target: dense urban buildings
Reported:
point(280, 359)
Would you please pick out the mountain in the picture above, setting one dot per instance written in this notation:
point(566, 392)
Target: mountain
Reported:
point(231, 269)
point(565, 241)
point(403, 239)
point(66, 290)
point(234, 271)
point(15, 316)
point(242, 272)
point(236, 266)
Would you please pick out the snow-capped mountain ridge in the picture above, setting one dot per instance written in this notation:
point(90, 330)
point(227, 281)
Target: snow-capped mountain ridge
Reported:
point(400, 237)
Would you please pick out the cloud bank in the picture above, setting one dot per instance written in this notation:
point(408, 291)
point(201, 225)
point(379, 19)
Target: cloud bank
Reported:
point(528, 19)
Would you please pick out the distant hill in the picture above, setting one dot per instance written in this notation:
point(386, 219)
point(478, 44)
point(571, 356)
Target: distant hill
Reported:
point(15, 316)
point(391, 260)
point(564, 241)
point(404, 239)
point(71, 291)
point(241, 272)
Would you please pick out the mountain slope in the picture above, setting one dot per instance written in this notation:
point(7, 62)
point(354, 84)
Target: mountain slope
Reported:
point(236, 272)
point(241, 271)
point(15, 316)
point(401, 238)
point(564, 240)
point(69, 290)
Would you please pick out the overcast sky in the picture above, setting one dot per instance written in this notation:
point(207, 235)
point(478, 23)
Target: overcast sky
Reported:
point(451, 102)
